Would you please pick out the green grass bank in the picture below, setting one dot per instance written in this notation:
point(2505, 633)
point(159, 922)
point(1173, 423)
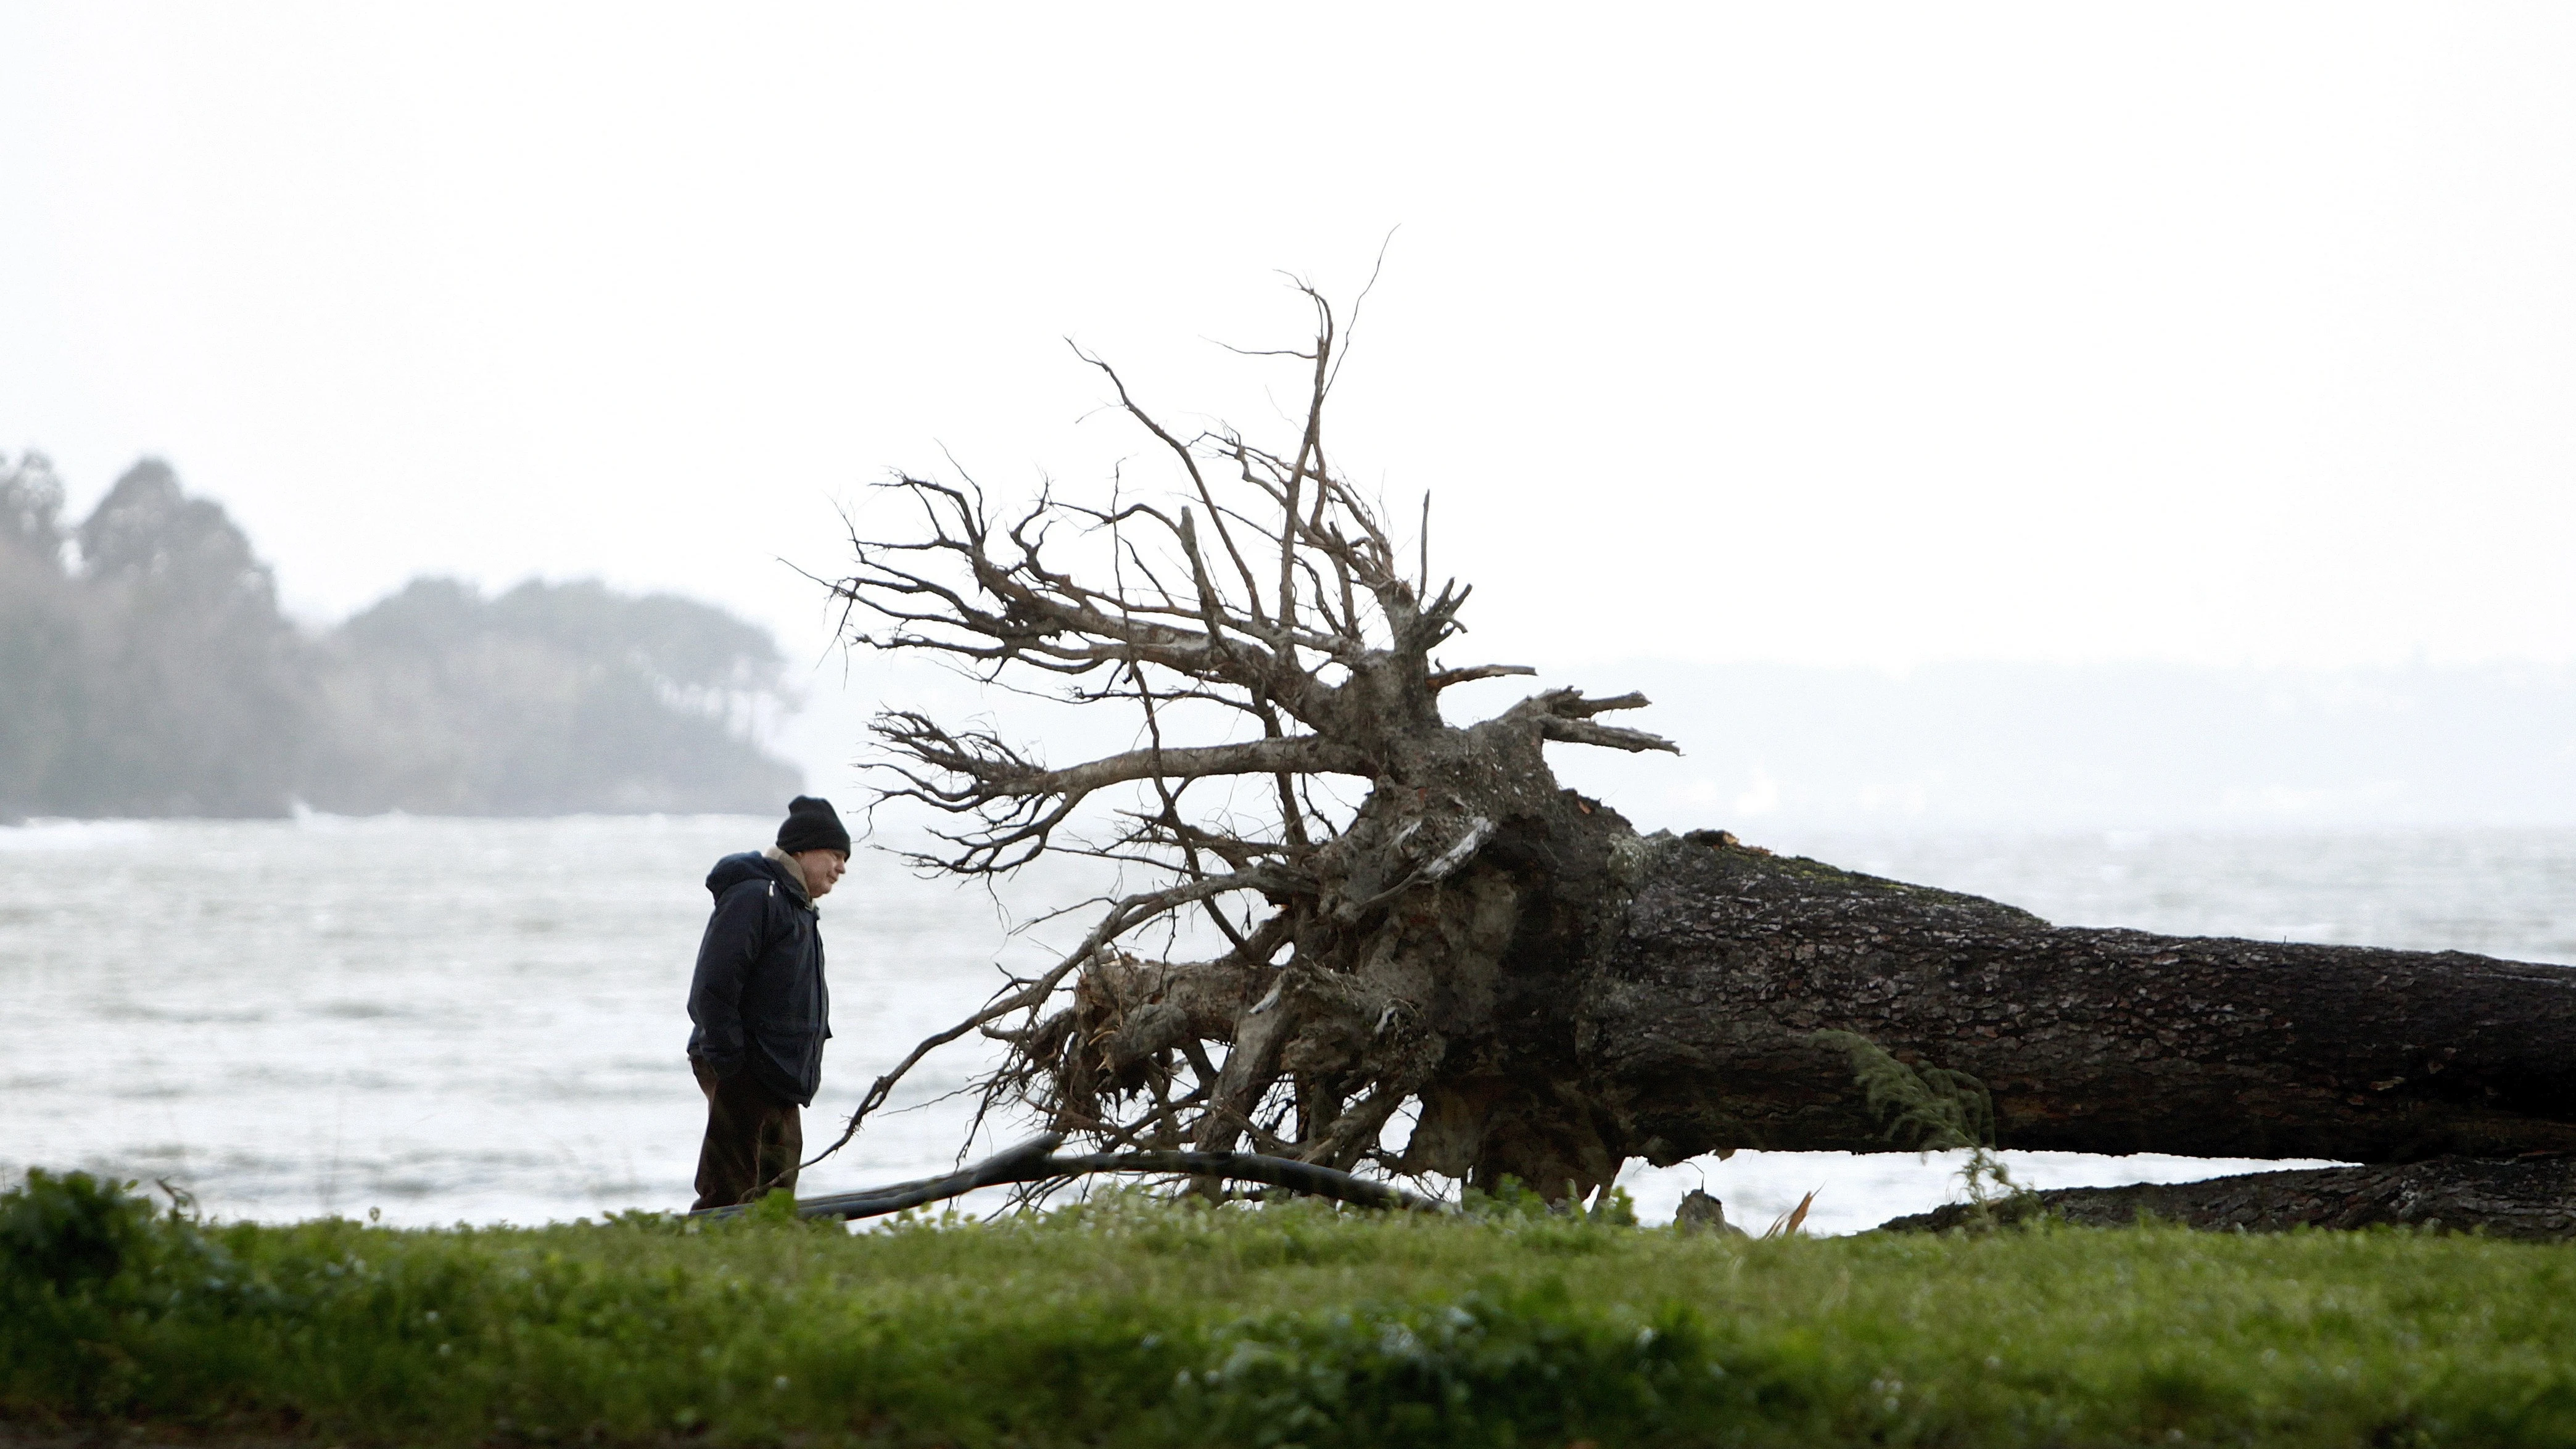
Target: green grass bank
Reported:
point(1132, 1322)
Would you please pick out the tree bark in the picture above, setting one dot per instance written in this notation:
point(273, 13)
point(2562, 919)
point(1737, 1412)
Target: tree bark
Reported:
point(1697, 1030)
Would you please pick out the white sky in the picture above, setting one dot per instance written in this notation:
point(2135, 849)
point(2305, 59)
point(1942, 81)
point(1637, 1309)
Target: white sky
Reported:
point(1834, 334)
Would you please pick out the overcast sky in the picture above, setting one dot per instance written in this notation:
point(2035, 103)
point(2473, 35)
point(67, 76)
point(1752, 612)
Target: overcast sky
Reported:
point(1831, 334)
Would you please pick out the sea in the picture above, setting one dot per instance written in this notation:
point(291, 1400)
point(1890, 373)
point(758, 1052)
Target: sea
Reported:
point(433, 1021)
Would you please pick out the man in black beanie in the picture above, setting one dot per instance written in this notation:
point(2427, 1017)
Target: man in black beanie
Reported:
point(758, 1004)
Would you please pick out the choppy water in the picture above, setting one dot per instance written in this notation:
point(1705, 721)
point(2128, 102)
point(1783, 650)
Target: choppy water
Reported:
point(483, 1020)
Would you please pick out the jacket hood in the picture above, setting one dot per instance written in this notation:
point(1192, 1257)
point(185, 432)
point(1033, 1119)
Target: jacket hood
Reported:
point(792, 873)
point(733, 870)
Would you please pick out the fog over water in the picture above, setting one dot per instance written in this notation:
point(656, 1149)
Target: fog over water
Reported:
point(478, 1020)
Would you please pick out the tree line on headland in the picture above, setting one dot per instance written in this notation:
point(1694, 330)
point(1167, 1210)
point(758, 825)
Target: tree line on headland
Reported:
point(146, 670)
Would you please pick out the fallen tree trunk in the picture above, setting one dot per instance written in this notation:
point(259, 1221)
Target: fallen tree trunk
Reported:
point(2532, 1199)
point(1699, 1029)
point(1410, 916)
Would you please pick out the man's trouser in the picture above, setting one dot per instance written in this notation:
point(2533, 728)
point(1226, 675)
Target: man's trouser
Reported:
point(752, 1138)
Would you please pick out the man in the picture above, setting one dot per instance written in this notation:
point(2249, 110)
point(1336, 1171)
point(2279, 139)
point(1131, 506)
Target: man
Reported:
point(758, 1004)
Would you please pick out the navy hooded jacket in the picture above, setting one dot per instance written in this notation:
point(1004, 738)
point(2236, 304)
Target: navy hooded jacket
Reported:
point(757, 999)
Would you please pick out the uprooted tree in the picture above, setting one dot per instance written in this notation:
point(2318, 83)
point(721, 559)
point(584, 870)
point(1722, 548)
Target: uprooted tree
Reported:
point(1414, 915)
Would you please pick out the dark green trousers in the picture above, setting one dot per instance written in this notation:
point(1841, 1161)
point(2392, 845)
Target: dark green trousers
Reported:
point(752, 1139)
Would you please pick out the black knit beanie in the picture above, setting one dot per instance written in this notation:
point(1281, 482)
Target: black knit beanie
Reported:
point(812, 825)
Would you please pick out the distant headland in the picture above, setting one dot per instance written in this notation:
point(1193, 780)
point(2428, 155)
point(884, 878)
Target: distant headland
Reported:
point(150, 672)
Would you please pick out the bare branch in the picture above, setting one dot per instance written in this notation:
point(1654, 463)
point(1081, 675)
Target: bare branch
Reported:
point(1443, 678)
point(1585, 732)
point(1122, 917)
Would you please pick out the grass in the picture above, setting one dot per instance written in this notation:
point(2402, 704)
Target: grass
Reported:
point(1133, 1322)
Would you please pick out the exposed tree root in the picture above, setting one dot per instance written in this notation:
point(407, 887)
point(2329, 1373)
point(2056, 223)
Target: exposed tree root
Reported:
point(1270, 632)
point(2526, 1198)
point(1036, 1161)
